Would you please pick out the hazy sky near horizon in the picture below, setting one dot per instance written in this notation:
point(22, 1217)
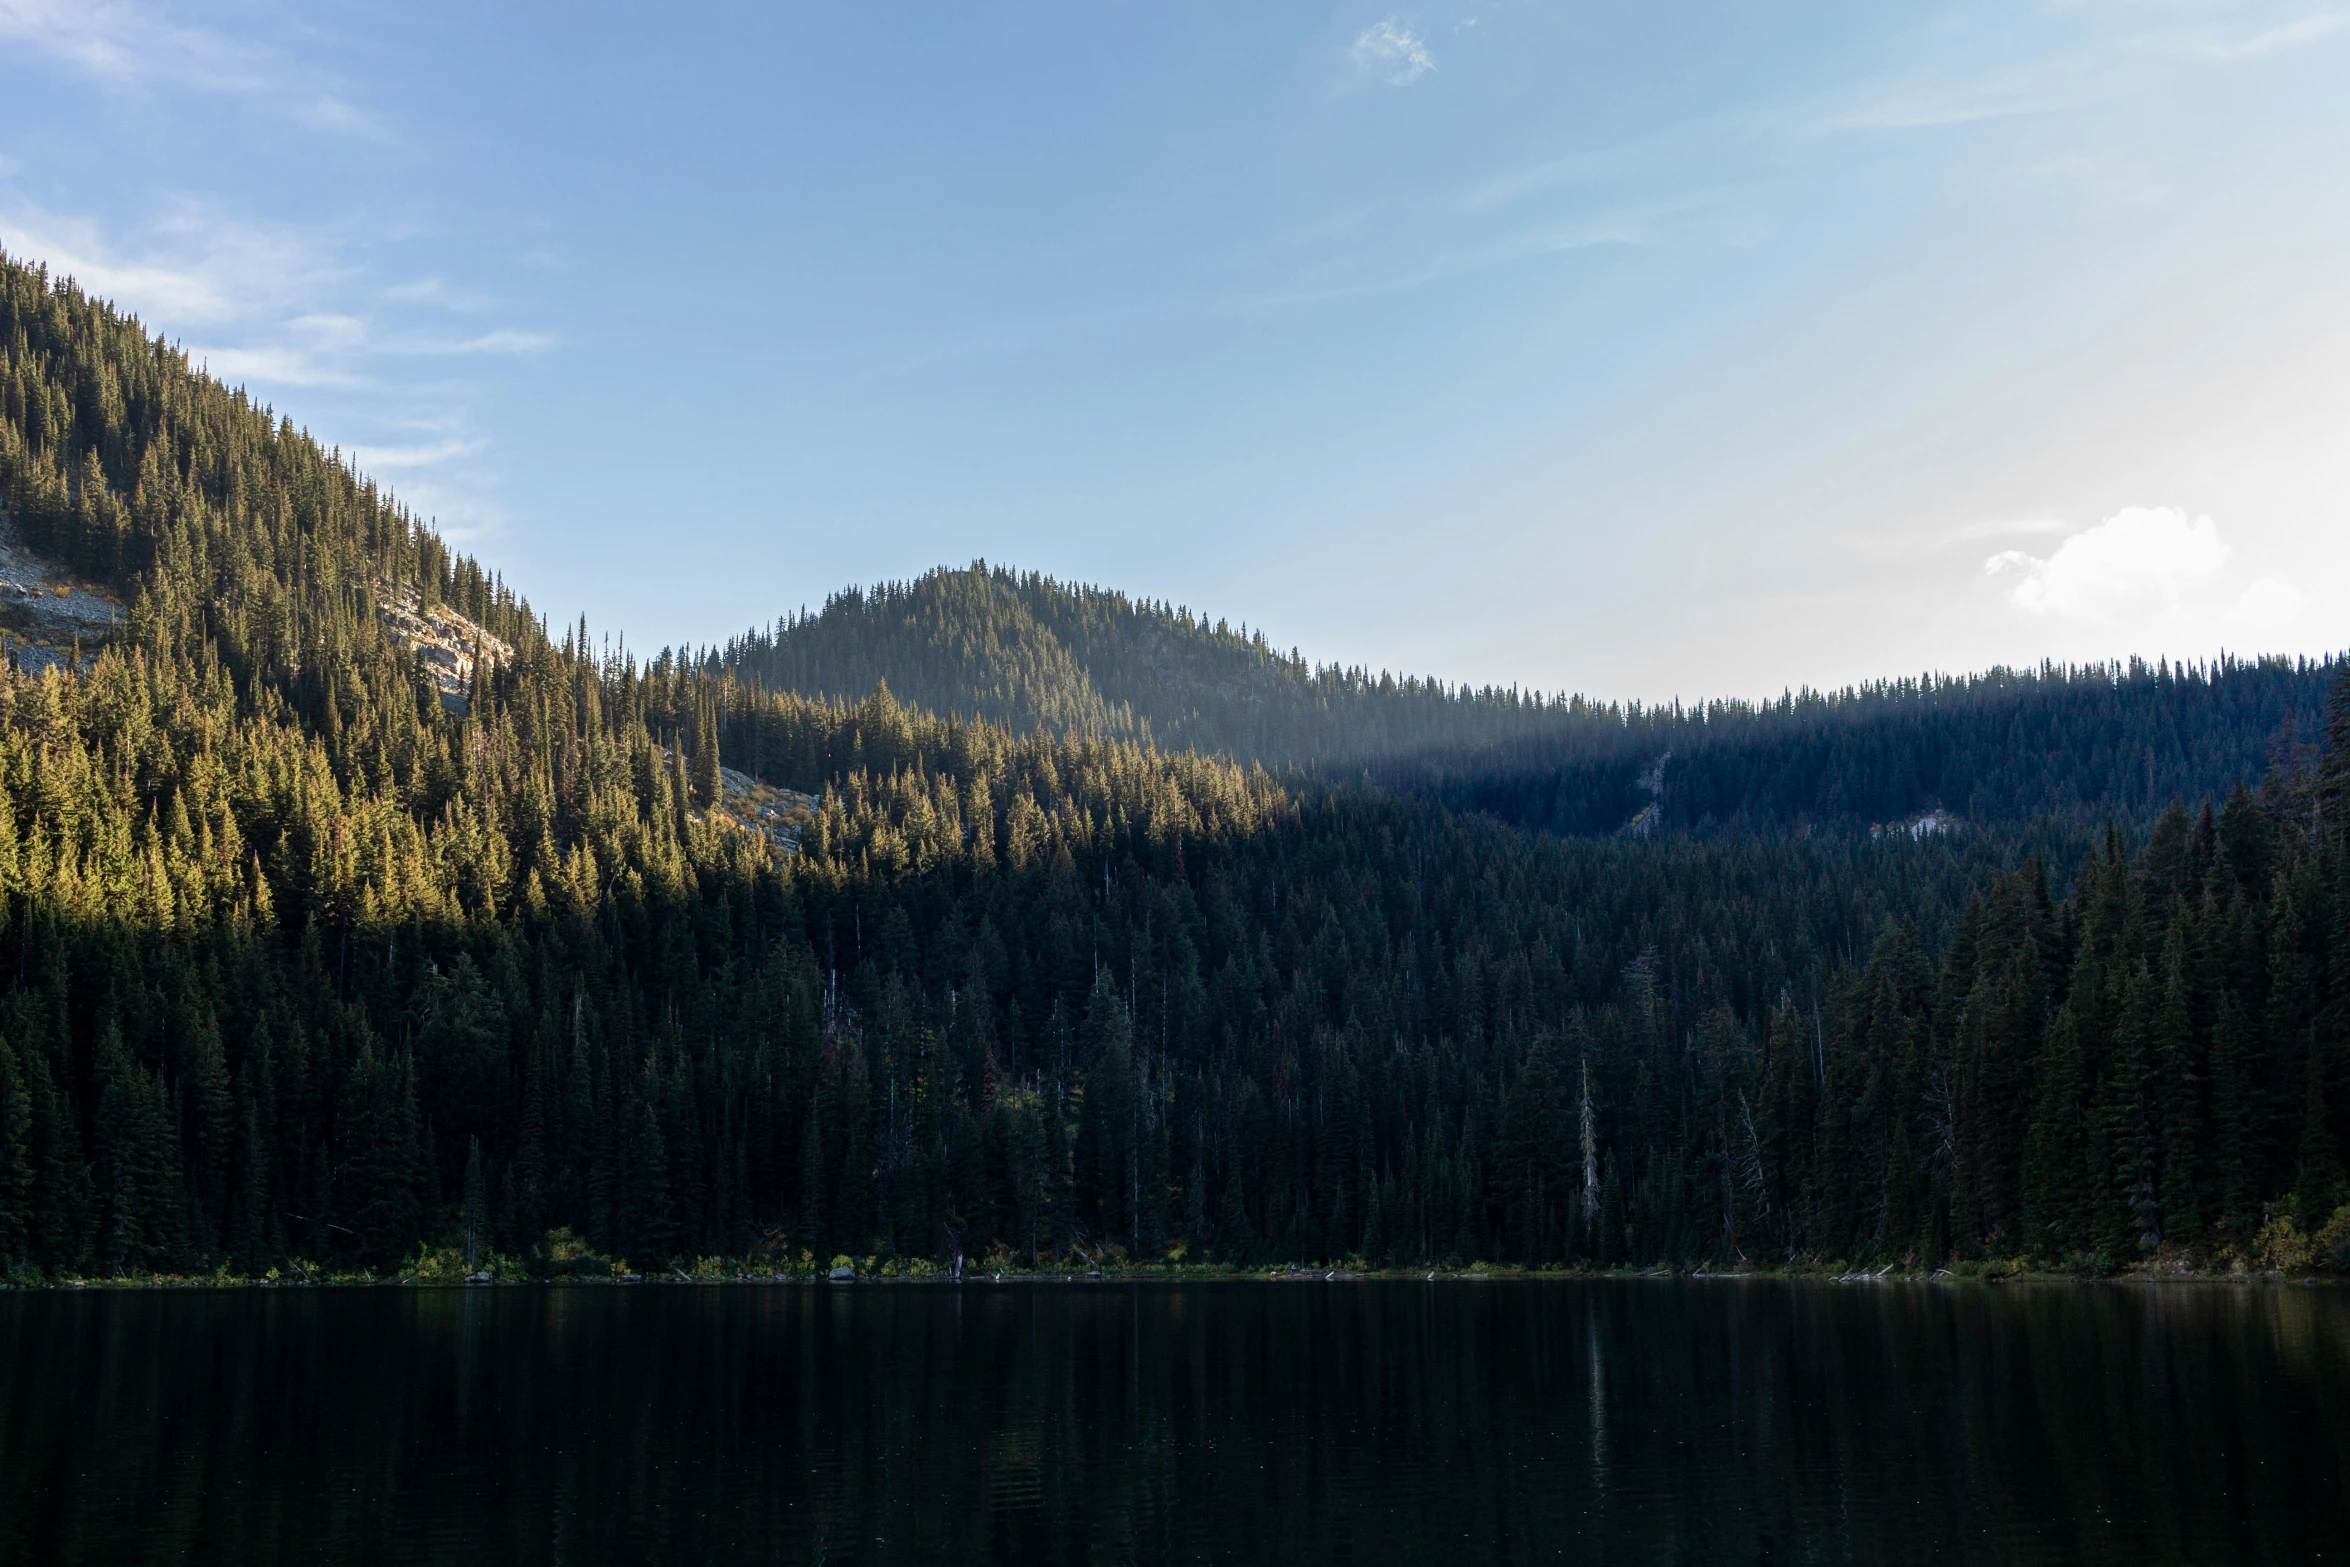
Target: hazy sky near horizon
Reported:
point(1642, 350)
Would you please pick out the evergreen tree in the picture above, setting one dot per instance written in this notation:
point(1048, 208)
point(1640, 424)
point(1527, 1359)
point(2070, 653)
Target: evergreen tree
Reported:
point(313, 957)
point(381, 1168)
point(1109, 1131)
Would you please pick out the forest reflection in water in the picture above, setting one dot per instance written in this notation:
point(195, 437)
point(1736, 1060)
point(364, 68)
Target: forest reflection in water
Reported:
point(1650, 1420)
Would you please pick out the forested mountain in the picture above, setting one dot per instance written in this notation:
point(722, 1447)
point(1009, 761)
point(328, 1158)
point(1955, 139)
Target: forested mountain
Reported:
point(315, 959)
point(2073, 744)
point(1024, 651)
point(2002, 749)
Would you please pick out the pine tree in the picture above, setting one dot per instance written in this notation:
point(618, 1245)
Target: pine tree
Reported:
point(16, 1162)
point(647, 1223)
point(210, 1118)
point(2129, 1219)
point(1109, 1131)
point(142, 1203)
point(477, 1205)
point(2318, 1188)
point(2178, 1066)
point(2056, 1148)
point(380, 1169)
point(304, 959)
point(2235, 1157)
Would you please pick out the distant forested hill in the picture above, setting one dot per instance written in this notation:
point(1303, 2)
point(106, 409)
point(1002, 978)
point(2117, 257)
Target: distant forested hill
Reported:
point(2014, 746)
point(351, 917)
point(2074, 745)
point(1026, 651)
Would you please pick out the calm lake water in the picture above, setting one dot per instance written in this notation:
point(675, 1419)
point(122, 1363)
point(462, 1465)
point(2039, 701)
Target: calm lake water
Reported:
point(1636, 1421)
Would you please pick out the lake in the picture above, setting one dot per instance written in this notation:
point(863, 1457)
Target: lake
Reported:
point(1363, 1422)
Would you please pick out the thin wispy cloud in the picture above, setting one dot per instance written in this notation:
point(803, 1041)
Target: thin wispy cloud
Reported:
point(1390, 51)
point(279, 303)
point(2304, 30)
point(405, 459)
point(1500, 190)
point(1629, 226)
point(505, 340)
point(125, 45)
point(193, 267)
point(435, 463)
point(463, 505)
point(2006, 528)
point(313, 349)
point(270, 365)
point(1682, 151)
point(279, 308)
point(2055, 83)
point(439, 291)
point(2049, 85)
point(1930, 104)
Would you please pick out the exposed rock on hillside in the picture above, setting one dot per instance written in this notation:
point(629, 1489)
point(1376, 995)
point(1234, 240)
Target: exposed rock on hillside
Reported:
point(778, 815)
point(447, 641)
point(44, 608)
point(1931, 824)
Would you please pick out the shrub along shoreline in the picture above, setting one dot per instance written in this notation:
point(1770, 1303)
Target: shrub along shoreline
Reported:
point(2282, 1255)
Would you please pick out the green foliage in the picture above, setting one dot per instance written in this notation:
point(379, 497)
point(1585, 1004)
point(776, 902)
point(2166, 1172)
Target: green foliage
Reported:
point(305, 962)
point(2074, 744)
point(2331, 1244)
point(1025, 652)
point(560, 1254)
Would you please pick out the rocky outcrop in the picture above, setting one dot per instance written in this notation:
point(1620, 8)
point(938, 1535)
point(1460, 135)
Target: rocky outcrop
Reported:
point(45, 610)
point(447, 643)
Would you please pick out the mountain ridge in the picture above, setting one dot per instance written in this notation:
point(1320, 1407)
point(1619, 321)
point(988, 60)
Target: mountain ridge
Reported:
point(622, 965)
point(1028, 651)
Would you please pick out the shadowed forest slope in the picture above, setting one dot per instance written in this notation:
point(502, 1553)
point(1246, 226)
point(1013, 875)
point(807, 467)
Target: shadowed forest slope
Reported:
point(2073, 744)
point(1025, 651)
point(317, 953)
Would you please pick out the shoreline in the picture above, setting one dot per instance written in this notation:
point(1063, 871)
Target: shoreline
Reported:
point(1192, 1275)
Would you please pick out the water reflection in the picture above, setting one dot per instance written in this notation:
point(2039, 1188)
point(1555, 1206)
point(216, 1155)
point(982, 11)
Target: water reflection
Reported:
point(1648, 1420)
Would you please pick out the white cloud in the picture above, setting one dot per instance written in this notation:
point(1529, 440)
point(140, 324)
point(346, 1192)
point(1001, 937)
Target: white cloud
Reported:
point(277, 307)
point(2141, 555)
point(2006, 527)
point(1927, 105)
point(465, 511)
point(128, 43)
point(2310, 27)
point(395, 459)
point(333, 114)
point(270, 365)
point(2268, 606)
point(125, 44)
point(1392, 52)
point(268, 304)
point(2149, 570)
point(195, 267)
point(437, 291)
point(505, 340)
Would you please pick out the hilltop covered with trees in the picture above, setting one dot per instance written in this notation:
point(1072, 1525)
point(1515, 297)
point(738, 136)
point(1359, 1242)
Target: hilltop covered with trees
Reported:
point(2073, 744)
point(309, 962)
point(1024, 651)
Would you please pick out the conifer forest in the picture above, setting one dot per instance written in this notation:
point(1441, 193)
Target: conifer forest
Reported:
point(984, 919)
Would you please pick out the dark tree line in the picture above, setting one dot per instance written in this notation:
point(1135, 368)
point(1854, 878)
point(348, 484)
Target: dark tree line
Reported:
point(1024, 651)
point(2073, 743)
point(2079, 744)
point(304, 963)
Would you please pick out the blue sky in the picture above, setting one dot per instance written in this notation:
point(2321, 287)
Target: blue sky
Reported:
point(1641, 349)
